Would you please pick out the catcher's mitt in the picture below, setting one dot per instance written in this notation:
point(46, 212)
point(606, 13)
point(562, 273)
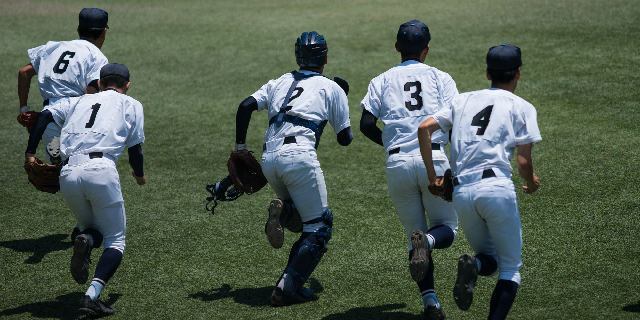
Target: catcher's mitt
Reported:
point(443, 186)
point(28, 119)
point(245, 172)
point(45, 177)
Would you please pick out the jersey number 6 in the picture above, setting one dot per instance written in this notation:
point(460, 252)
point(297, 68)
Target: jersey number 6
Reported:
point(63, 61)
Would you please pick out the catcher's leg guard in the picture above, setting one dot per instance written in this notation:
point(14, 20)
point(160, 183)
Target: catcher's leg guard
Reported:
point(305, 255)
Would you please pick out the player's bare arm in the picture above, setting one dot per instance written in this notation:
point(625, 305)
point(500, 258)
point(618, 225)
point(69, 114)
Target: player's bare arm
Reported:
point(525, 166)
point(24, 84)
point(424, 139)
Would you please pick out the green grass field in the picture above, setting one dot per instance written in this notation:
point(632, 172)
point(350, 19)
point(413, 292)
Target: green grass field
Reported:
point(192, 62)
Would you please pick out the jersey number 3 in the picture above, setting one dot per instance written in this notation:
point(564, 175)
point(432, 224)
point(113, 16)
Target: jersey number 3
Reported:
point(481, 119)
point(63, 62)
point(414, 96)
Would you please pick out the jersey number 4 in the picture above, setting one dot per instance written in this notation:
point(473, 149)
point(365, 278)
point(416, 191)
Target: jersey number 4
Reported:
point(63, 62)
point(481, 119)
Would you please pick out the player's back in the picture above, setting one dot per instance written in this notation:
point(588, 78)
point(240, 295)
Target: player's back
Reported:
point(487, 125)
point(66, 68)
point(315, 98)
point(405, 96)
point(104, 122)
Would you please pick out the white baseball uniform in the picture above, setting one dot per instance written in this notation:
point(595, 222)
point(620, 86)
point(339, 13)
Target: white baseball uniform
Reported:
point(402, 98)
point(96, 129)
point(64, 69)
point(486, 127)
point(292, 169)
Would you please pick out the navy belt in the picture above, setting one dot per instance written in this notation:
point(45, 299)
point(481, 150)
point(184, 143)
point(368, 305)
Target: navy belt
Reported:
point(92, 155)
point(434, 146)
point(487, 173)
point(287, 140)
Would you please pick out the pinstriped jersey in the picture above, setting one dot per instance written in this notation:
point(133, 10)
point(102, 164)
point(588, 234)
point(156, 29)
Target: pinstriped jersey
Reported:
point(486, 126)
point(406, 95)
point(316, 98)
point(106, 122)
point(66, 68)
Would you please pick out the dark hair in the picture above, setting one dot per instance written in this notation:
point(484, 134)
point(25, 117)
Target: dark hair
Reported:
point(502, 76)
point(113, 81)
point(90, 33)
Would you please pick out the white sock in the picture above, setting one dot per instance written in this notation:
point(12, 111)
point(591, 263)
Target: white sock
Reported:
point(478, 263)
point(94, 290)
point(431, 240)
point(281, 282)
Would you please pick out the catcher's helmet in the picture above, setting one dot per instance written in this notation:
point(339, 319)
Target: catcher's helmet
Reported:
point(311, 50)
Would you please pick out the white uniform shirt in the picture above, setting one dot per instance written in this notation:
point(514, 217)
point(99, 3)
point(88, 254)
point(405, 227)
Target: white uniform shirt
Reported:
point(316, 98)
point(406, 95)
point(487, 125)
point(66, 68)
point(104, 122)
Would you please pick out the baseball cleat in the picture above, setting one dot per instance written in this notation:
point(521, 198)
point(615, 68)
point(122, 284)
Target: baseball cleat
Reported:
point(74, 233)
point(274, 228)
point(81, 258)
point(280, 299)
point(95, 308)
point(434, 313)
point(419, 264)
point(467, 276)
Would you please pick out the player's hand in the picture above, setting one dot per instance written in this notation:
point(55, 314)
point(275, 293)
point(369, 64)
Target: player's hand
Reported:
point(30, 157)
point(532, 187)
point(140, 180)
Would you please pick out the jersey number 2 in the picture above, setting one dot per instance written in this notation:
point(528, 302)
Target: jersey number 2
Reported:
point(414, 96)
point(482, 120)
point(92, 119)
point(63, 62)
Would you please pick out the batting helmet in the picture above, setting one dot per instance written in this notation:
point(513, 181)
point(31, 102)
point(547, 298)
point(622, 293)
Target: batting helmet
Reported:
point(311, 50)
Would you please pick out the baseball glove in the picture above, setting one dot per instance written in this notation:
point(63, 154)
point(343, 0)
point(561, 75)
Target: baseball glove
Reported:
point(28, 119)
point(245, 172)
point(43, 176)
point(443, 186)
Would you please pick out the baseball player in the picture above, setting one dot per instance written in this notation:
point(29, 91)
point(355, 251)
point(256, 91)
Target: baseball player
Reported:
point(95, 130)
point(299, 104)
point(486, 128)
point(65, 69)
point(403, 97)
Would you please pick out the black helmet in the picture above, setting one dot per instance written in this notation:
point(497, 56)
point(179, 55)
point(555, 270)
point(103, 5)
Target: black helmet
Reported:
point(311, 50)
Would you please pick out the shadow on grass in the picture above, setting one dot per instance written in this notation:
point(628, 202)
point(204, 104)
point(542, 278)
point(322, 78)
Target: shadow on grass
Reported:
point(379, 312)
point(632, 307)
point(65, 307)
point(40, 247)
point(255, 297)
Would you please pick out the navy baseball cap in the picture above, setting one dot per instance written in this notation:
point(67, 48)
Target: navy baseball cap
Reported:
point(413, 37)
point(504, 57)
point(114, 69)
point(93, 18)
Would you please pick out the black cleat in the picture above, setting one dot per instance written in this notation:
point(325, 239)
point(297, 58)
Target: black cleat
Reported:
point(274, 227)
point(280, 299)
point(95, 308)
point(81, 258)
point(467, 276)
point(419, 264)
point(75, 233)
point(434, 313)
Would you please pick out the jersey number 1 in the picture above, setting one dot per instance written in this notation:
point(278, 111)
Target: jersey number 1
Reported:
point(92, 119)
point(482, 120)
point(64, 61)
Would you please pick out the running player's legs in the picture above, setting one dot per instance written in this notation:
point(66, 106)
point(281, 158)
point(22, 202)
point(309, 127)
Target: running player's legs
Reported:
point(440, 212)
point(71, 190)
point(101, 186)
point(474, 227)
point(496, 201)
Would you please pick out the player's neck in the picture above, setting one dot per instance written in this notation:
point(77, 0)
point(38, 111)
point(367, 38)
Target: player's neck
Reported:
point(318, 70)
point(511, 86)
point(114, 89)
point(96, 42)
